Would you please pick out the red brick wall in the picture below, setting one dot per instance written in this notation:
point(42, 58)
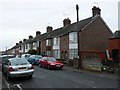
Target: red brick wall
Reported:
point(43, 46)
point(64, 45)
point(95, 36)
point(114, 44)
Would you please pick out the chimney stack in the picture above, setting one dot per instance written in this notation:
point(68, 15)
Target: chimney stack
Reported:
point(96, 11)
point(49, 28)
point(66, 22)
point(24, 40)
point(20, 42)
point(30, 37)
point(38, 33)
point(17, 44)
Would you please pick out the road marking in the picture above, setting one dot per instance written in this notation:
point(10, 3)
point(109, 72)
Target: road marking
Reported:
point(18, 86)
point(8, 85)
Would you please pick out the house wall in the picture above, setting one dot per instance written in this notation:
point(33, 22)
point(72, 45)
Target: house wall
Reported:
point(94, 39)
point(43, 47)
point(114, 44)
point(95, 36)
point(64, 47)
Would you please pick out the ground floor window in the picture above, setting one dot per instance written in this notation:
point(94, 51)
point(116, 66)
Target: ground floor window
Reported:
point(48, 53)
point(56, 53)
point(73, 53)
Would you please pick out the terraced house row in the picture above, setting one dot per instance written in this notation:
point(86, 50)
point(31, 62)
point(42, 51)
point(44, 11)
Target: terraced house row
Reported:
point(87, 38)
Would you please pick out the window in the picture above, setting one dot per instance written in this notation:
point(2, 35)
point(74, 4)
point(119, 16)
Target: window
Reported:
point(56, 53)
point(48, 53)
point(48, 42)
point(26, 46)
point(35, 44)
point(73, 53)
point(56, 41)
point(20, 47)
point(73, 38)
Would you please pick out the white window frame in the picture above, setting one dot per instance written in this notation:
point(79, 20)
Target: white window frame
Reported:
point(56, 41)
point(73, 53)
point(73, 38)
point(48, 42)
point(56, 53)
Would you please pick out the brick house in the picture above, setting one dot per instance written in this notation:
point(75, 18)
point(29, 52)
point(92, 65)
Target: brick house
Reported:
point(89, 35)
point(114, 46)
point(87, 38)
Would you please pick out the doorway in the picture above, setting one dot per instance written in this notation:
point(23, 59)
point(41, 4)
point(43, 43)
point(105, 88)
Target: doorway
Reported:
point(115, 55)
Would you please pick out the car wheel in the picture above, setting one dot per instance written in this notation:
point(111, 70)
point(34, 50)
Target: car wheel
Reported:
point(40, 65)
point(8, 77)
point(30, 76)
point(48, 66)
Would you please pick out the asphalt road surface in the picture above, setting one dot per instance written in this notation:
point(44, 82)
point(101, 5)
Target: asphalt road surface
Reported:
point(66, 78)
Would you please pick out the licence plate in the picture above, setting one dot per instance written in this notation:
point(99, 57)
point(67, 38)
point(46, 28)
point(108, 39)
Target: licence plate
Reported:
point(57, 65)
point(24, 68)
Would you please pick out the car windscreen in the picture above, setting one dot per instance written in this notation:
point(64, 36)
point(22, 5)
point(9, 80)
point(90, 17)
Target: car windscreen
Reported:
point(16, 62)
point(51, 59)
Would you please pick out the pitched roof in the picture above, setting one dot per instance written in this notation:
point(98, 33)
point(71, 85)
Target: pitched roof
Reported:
point(116, 35)
point(65, 30)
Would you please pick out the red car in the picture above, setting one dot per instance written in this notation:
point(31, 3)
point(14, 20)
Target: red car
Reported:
point(50, 63)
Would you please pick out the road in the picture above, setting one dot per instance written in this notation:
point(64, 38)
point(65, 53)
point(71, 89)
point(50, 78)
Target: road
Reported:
point(66, 78)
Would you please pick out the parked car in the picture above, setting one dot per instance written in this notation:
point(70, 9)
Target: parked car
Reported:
point(33, 59)
point(50, 63)
point(5, 58)
point(0, 64)
point(25, 55)
point(18, 67)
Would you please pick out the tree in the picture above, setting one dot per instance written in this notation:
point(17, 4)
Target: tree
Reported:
point(32, 51)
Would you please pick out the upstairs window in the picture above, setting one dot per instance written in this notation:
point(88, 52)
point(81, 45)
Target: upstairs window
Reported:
point(73, 38)
point(20, 48)
point(26, 46)
point(56, 41)
point(48, 42)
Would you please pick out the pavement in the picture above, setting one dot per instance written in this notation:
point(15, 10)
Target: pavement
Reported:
point(93, 73)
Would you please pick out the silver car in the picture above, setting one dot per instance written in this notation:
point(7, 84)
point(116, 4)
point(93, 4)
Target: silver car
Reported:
point(18, 67)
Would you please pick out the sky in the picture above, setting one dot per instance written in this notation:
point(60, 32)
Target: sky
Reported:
point(21, 18)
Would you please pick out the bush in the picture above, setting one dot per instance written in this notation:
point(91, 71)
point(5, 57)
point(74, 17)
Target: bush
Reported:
point(32, 52)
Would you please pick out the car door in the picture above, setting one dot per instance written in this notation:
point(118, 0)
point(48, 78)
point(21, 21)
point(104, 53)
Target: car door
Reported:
point(44, 61)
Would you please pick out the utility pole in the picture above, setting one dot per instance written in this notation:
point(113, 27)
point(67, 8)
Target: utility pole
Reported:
point(78, 40)
point(77, 9)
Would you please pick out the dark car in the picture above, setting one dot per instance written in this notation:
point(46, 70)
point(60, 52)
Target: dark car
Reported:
point(34, 59)
point(50, 63)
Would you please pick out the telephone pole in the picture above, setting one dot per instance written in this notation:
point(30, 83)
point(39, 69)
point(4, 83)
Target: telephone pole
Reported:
point(78, 40)
point(77, 9)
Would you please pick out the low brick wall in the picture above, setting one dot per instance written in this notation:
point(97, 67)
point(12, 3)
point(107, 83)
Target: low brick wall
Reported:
point(93, 64)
